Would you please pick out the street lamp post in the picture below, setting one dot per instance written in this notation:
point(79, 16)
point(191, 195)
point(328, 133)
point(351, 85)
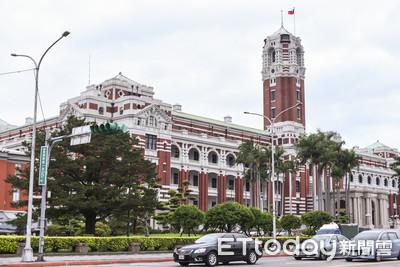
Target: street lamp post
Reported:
point(27, 254)
point(272, 123)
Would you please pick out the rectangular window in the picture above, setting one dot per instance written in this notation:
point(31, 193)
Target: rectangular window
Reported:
point(213, 204)
point(16, 194)
point(151, 141)
point(176, 178)
point(298, 209)
point(298, 95)
point(214, 182)
point(273, 112)
point(231, 184)
point(298, 113)
point(195, 202)
point(247, 186)
point(214, 158)
point(280, 141)
point(195, 180)
point(273, 95)
point(297, 186)
point(195, 155)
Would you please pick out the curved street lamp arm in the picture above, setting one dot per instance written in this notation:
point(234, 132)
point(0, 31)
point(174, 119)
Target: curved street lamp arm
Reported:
point(65, 34)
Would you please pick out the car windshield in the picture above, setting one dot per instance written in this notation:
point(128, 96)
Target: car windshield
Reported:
point(367, 235)
point(213, 238)
point(318, 238)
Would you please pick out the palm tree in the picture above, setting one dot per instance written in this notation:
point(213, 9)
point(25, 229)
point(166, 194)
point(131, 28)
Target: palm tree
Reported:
point(350, 161)
point(282, 167)
point(308, 152)
point(254, 158)
point(337, 173)
point(318, 150)
point(330, 150)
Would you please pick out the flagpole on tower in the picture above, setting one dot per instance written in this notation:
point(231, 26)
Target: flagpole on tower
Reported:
point(281, 18)
point(291, 12)
point(294, 22)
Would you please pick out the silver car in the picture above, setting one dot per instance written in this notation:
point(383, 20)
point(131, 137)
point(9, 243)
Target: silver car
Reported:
point(375, 245)
point(321, 246)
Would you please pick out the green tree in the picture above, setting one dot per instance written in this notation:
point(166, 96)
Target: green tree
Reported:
point(188, 217)
point(290, 222)
point(225, 217)
point(92, 179)
point(265, 223)
point(315, 219)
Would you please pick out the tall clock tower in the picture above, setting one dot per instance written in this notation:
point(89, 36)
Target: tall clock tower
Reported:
point(283, 84)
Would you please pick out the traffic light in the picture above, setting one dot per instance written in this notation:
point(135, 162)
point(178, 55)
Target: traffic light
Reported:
point(108, 129)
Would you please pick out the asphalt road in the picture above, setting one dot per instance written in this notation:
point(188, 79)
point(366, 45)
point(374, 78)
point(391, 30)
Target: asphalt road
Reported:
point(275, 262)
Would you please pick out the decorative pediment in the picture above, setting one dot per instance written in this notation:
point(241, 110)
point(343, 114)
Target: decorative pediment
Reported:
point(155, 112)
point(71, 109)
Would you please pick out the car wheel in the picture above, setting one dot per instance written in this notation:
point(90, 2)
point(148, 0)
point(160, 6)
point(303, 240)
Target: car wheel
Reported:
point(184, 263)
point(349, 259)
point(298, 258)
point(251, 257)
point(212, 259)
point(377, 257)
point(322, 256)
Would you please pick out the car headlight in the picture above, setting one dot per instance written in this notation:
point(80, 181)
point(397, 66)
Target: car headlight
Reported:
point(200, 250)
point(176, 250)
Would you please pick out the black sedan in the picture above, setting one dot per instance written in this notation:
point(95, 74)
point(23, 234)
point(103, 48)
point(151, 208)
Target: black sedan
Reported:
point(221, 247)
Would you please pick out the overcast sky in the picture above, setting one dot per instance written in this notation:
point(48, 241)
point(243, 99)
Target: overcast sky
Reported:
point(206, 56)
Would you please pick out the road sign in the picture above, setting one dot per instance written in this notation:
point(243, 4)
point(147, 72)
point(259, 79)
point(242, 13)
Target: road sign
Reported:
point(81, 135)
point(43, 165)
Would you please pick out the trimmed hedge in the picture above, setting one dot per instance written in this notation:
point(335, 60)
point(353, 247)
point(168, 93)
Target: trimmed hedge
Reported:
point(9, 244)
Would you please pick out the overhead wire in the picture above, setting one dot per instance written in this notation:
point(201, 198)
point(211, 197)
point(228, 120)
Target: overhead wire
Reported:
point(17, 71)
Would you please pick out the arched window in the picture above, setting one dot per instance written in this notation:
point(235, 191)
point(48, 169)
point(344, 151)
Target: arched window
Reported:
point(378, 181)
point(369, 179)
point(385, 182)
point(273, 54)
point(360, 179)
point(351, 178)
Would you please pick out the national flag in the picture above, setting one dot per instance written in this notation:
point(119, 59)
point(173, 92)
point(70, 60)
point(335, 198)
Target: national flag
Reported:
point(291, 12)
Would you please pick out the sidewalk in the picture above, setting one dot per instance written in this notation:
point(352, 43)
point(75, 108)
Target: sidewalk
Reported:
point(90, 259)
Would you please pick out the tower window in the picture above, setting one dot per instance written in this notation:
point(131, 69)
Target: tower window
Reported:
point(273, 95)
point(273, 56)
point(298, 95)
point(273, 112)
point(298, 114)
point(297, 186)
